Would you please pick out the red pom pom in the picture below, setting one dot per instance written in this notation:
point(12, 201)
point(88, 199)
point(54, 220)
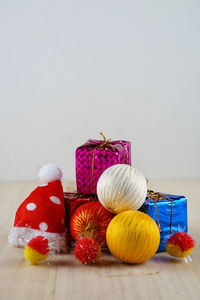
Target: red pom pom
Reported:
point(40, 244)
point(182, 239)
point(180, 244)
point(87, 250)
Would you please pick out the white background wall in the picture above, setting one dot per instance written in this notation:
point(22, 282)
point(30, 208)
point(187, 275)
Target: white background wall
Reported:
point(69, 69)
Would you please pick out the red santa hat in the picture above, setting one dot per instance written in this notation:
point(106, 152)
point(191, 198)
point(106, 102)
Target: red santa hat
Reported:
point(42, 213)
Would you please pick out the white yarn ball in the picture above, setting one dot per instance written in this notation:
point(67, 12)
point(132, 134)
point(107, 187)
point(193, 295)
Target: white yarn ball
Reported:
point(49, 173)
point(121, 187)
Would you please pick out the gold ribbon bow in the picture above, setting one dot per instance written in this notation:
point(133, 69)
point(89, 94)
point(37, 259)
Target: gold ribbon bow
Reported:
point(156, 197)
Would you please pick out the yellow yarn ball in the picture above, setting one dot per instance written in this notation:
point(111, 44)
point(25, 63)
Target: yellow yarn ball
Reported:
point(133, 237)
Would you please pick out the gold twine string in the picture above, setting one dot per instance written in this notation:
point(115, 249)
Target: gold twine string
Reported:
point(103, 144)
point(127, 160)
point(156, 197)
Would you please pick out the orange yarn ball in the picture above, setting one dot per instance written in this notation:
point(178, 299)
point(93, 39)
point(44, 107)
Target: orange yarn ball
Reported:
point(90, 220)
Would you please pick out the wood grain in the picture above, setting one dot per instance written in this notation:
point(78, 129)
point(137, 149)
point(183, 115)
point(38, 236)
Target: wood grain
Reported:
point(62, 277)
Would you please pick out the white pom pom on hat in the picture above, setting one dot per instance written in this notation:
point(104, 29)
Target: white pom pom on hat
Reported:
point(49, 173)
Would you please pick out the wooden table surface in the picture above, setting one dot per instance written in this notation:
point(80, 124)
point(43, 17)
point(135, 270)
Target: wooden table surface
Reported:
point(62, 277)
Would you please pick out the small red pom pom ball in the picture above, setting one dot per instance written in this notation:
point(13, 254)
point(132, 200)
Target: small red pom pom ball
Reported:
point(36, 250)
point(180, 245)
point(87, 250)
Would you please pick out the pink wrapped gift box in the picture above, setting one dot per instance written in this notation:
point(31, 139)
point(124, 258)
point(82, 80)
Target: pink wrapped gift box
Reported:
point(94, 157)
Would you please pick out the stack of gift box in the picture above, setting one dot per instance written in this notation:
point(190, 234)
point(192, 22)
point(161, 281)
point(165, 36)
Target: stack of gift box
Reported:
point(92, 159)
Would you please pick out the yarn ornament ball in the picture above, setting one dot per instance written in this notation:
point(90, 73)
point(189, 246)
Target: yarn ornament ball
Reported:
point(90, 220)
point(87, 250)
point(180, 245)
point(133, 237)
point(36, 250)
point(121, 187)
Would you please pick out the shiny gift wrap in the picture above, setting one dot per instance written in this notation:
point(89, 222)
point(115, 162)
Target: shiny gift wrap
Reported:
point(94, 157)
point(170, 214)
point(72, 202)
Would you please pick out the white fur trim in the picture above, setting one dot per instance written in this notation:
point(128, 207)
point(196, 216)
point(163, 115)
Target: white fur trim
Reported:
point(20, 236)
point(49, 172)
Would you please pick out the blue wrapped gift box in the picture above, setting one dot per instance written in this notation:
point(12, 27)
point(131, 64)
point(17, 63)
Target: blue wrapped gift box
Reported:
point(169, 212)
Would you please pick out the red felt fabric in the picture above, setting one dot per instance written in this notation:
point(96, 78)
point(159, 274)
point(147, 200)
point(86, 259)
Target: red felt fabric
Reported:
point(46, 211)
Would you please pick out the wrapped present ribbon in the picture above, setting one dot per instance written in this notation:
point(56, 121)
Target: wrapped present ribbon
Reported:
point(156, 197)
point(86, 163)
point(169, 212)
point(105, 143)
